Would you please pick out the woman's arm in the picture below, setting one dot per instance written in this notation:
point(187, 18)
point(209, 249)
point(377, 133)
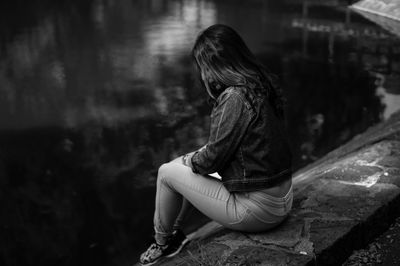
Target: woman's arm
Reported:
point(184, 159)
point(229, 123)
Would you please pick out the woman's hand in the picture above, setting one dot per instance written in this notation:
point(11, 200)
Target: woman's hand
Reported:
point(186, 159)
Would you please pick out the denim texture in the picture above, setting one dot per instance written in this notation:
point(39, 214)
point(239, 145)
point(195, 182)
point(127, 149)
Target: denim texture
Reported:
point(247, 145)
point(178, 187)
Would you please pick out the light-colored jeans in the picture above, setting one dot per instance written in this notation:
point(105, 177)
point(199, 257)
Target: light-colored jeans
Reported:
point(178, 188)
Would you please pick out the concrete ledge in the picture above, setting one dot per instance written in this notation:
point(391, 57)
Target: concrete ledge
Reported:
point(384, 8)
point(341, 202)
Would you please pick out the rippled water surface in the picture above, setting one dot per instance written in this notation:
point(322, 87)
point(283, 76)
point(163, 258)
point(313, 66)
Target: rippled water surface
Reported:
point(95, 95)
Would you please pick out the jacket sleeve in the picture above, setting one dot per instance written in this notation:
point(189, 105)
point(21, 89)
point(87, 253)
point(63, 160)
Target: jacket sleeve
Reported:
point(229, 122)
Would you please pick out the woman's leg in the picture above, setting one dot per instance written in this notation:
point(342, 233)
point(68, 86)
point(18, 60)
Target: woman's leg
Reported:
point(186, 210)
point(186, 207)
point(176, 181)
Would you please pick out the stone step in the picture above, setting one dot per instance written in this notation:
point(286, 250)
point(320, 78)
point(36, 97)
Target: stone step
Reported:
point(340, 204)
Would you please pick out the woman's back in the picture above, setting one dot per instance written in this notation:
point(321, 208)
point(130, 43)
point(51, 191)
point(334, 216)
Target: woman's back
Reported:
point(262, 158)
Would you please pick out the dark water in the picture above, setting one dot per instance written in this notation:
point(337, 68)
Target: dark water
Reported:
point(95, 95)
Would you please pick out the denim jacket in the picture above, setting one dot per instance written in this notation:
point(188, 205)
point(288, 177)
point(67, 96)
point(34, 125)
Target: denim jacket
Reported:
point(247, 145)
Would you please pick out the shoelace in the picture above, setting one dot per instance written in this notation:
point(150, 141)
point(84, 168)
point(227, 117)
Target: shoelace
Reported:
point(150, 251)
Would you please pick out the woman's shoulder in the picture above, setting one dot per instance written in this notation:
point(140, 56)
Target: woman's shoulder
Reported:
point(242, 91)
point(237, 92)
point(250, 96)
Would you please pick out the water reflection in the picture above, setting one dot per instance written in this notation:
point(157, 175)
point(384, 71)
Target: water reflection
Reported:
point(95, 95)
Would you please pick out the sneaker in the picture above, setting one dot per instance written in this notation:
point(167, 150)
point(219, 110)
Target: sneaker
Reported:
point(177, 241)
point(156, 252)
point(153, 254)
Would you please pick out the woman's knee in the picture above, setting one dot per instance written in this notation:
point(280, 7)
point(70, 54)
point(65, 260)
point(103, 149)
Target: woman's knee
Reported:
point(164, 172)
point(177, 160)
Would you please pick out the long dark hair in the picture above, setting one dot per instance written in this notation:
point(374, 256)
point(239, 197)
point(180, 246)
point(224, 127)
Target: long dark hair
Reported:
point(224, 60)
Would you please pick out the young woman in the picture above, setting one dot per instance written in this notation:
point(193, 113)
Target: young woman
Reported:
point(246, 147)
